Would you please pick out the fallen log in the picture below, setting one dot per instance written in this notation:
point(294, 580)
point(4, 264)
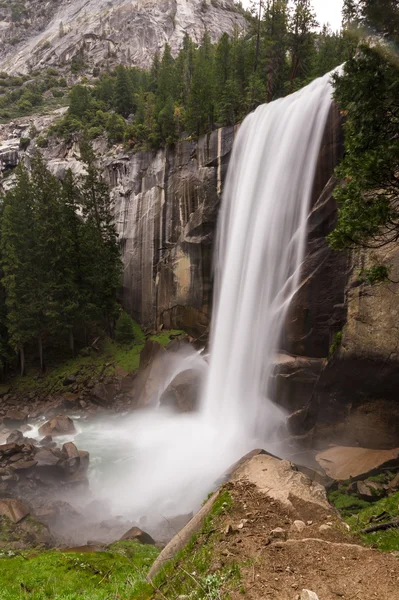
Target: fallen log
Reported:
point(381, 526)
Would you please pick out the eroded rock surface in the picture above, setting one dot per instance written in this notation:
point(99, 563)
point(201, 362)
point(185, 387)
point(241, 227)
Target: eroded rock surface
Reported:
point(99, 31)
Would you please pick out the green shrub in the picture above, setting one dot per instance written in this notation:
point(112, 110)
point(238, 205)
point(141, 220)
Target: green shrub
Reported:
point(42, 141)
point(124, 331)
point(24, 143)
point(116, 128)
point(24, 105)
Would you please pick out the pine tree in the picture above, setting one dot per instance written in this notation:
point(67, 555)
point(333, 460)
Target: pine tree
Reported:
point(18, 255)
point(56, 299)
point(302, 42)
point(124, 98)
point(101, 240)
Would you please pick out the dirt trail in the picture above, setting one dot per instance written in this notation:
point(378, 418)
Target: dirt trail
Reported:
point(331, 561)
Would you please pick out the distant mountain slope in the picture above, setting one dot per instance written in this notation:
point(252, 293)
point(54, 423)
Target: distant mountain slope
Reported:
point(35, 35)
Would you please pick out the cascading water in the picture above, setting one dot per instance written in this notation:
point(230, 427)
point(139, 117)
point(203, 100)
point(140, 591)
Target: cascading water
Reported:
point(261, 242)
point(159, 463)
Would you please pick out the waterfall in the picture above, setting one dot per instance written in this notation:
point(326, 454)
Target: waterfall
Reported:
point(260, 249)
point(159, 464)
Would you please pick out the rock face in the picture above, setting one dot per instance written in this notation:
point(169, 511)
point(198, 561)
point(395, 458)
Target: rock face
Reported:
point(100, 32)
point(166, 209)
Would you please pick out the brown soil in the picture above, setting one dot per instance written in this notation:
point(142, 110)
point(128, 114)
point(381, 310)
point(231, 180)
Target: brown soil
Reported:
point(331, 563)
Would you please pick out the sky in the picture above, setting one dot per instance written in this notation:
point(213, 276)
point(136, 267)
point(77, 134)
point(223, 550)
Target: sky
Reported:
point(326, 10)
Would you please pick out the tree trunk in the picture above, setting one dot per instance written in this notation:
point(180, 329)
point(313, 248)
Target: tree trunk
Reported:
point(258, 37)
point(40, 342)
point(22, 359)
point(72, 342)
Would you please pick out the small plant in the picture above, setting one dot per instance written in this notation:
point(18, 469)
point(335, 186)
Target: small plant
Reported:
point(336, 343)
point(24, 143)
point(376, 274)
point(124, 331)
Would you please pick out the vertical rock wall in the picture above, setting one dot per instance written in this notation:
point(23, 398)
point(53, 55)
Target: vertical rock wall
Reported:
point(166, 209)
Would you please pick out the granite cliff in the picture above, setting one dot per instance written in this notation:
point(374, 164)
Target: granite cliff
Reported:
point(102, 31)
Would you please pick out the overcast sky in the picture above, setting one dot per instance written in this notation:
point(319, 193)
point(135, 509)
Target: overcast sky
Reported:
point(327, 11)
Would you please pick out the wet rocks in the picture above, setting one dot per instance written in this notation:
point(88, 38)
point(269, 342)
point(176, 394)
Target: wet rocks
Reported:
point(103, 394)
point(59, 425)
point(137, 534)
point(15, 416)
point(15, 437)
point(183, 392)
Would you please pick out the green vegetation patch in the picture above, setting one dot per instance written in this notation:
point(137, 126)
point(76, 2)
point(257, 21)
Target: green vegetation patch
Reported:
point(117, 573)
point(91, 364)
point(360, 514)
point(196, 571)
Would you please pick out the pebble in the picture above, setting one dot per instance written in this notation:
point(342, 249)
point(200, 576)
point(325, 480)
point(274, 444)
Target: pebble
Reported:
point(308, 595)
point(298, 526)
point(278, 533)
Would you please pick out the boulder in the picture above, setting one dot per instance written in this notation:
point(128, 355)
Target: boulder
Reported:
point(70, 450)
point(15, 437)
point(15, 416)
point(70, 401)
point(84, 459)
point(369, 490)
point(23, 465)
point(47, 458)
point(70, 380)
point(9, 449)
point(47, 441)
point(103, 394)
point(13, 509)
point(137, 534)
point(183, 392)
point(59, 425)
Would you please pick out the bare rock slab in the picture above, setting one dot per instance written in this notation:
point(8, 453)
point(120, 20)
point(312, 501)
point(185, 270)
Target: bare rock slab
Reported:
point(343, 462)
point(13, 509)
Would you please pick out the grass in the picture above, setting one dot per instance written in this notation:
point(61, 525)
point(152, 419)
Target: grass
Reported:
point(193, 571)
point(384, 540)
point(359, 515)
point(119, 573)
point(91, 364)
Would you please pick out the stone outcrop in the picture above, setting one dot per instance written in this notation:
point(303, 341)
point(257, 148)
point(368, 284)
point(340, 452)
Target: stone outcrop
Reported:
point(100, 32)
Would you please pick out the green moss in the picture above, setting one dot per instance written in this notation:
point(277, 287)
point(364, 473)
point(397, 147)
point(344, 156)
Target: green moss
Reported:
point(346, 504)
point(336, 343)
point(165, 337)
point(360, 515)
point(117, 573)
point(192, 571)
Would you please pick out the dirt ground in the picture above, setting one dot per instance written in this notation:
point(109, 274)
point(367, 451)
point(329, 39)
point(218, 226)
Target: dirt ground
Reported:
point(331, 562)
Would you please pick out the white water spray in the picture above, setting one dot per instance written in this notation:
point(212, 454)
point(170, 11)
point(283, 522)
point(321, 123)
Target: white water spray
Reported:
point(161, 464)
